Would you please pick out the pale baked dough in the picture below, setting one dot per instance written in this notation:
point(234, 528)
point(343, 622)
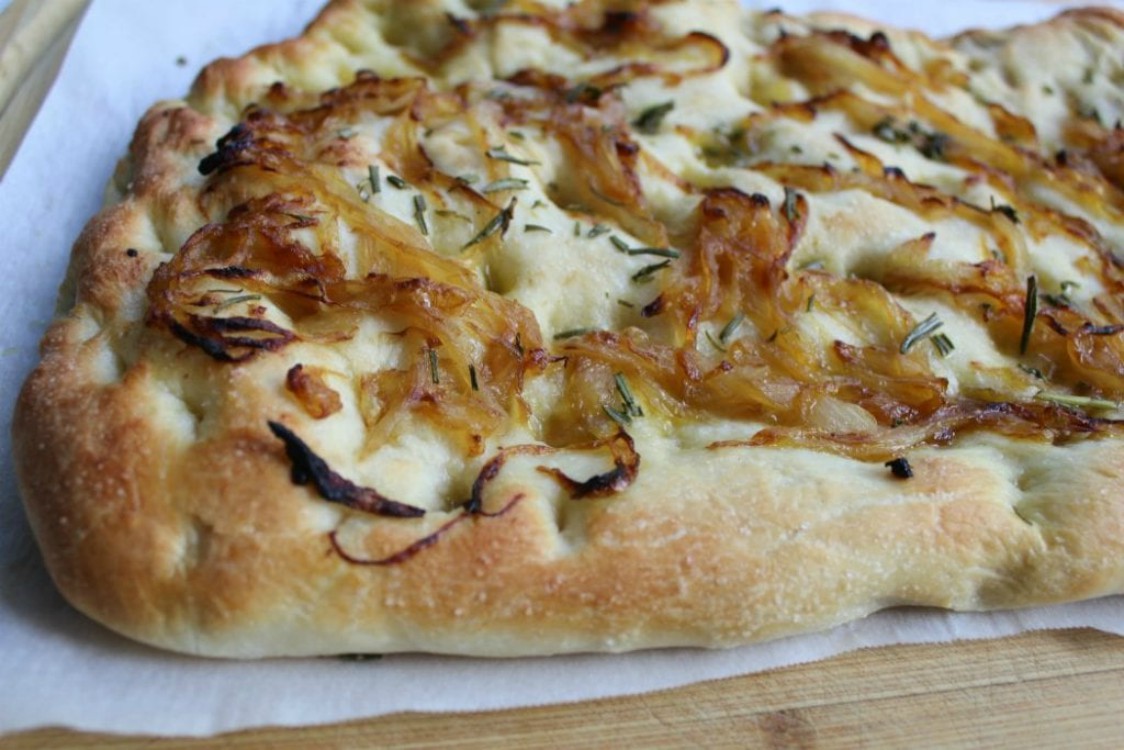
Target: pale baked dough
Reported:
point(723, 421)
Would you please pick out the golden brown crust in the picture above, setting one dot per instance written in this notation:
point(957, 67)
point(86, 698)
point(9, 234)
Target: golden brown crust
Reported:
point(295, 409)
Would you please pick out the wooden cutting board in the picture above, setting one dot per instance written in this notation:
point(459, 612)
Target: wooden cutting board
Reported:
point(1051, 689)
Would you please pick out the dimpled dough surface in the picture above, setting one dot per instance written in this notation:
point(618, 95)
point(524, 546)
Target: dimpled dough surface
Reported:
point(550, 328)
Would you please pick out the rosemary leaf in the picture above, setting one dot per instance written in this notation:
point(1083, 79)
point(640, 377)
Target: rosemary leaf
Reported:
point(660, 252)
point(434, 375)
point(498, 223)
point(499, 153)
point(572, 333)
point(650, 119)
point(231, 301)
point(922, 330)
point(509, 183)
point(419, 213)
point(646, 273)
point(943, 343)
point(731, 328)
point(1030, 312)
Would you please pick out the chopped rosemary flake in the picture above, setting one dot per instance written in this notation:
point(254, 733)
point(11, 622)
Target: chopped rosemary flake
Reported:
point(1034, 372)
point(468, 179)
point(348, 133)
point(619, 244)
point(472, 377)
point(620, 418)
point(500, 153)
point(434, 375)
point(811, 303)
point(236, 301)
point(790, 211)
point(397, 181)
point(517, 135)
point(577, 229)
point(510, 183)
point(922, 330)
point(943, 343)
point(1030, 312)
point(715, 343)
point(660, 252)
point(650, 119)
point(538, 204)
point(373, 178)
point(572, 333)
point(646, 273)
point(1077, 402)
point(631, 408)
point(498, 223)
point(626, 303)
point(419, 213)
point(597, 230)
point(537, 228)
point(731, 328)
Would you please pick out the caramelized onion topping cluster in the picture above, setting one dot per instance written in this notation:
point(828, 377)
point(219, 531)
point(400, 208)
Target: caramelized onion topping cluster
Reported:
point(296, 252)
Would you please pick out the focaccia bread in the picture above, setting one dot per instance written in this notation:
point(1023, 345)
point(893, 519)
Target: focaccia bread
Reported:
point(536, 327)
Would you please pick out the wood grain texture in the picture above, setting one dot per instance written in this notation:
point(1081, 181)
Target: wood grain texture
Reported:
point(1051, 689)
point(1062, 689)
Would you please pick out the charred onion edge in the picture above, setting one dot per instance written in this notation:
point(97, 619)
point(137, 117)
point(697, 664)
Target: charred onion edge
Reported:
point(307, 467)
point(626, 467)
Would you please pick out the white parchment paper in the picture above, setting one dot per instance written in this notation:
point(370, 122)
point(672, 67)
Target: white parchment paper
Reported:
point(57, 668)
